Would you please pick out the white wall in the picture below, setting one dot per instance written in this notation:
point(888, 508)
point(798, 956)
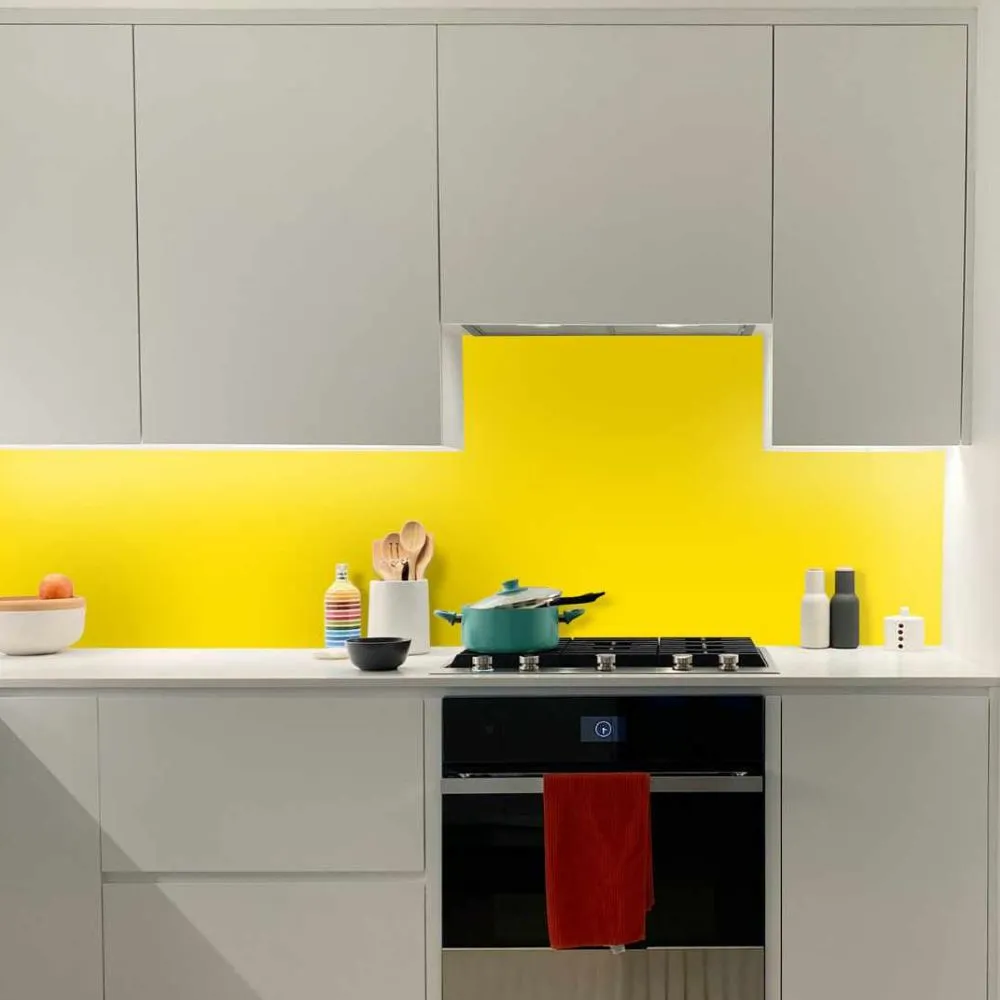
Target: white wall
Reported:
point(972, 516)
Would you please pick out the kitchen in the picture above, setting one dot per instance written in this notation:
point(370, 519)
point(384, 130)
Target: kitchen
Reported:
point(664, 494)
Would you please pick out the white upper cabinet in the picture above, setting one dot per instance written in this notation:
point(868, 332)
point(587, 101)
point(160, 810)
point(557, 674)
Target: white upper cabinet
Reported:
point(869, 234)
point(69, 348)
point(884, 837)
point(288, 235)
point(605, 174)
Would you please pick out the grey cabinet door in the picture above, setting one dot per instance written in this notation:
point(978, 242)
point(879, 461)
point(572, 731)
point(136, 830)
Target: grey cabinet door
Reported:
point(225, 808)
point(605, 174)
point(884, 844)
point(50, 850)
point(288, 235)
point(260, 939)
point(869, 234)
point(69, 348)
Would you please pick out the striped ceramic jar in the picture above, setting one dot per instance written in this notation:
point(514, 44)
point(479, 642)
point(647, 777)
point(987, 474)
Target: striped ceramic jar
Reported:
point(341, 611)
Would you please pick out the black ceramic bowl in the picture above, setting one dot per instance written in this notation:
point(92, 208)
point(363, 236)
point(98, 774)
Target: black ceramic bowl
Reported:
point(377, 654)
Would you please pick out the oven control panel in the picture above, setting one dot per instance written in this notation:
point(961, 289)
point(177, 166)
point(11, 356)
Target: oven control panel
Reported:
point(668, 734)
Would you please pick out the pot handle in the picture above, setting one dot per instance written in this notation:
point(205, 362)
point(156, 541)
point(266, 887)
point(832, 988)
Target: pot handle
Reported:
point(558, 602)
point(567, 616)
point(451, 617)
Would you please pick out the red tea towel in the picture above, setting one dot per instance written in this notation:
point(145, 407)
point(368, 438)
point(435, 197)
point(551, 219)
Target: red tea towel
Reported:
point(598, 859)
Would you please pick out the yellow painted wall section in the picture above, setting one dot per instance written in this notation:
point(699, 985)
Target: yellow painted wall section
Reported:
point(631, 465)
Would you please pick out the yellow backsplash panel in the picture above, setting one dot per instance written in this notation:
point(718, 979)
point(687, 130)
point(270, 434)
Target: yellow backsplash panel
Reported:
point(631, 465)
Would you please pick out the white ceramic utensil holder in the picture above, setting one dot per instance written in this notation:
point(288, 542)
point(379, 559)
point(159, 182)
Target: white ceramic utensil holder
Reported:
point(401, 608)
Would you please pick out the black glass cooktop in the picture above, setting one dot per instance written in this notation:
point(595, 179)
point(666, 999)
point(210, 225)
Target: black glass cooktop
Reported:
point(631, 654)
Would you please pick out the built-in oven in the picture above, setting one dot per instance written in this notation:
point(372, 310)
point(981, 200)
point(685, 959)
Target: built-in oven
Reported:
point(706, 758)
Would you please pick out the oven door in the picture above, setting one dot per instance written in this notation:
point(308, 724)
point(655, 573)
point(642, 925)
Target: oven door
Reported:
point(708, 862)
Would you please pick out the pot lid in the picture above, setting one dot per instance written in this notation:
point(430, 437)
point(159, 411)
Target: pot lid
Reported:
point(513, 595)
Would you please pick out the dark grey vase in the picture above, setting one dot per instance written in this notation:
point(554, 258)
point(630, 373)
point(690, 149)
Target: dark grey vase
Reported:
point(845, 612)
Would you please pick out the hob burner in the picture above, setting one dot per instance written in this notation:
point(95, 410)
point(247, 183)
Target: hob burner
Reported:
point(708, 654)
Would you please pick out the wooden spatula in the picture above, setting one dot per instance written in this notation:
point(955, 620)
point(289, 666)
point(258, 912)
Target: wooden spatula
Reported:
point(379, 560)
point(426, 554)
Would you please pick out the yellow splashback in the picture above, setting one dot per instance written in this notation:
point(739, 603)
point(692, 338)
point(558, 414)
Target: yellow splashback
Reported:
point(631, 465)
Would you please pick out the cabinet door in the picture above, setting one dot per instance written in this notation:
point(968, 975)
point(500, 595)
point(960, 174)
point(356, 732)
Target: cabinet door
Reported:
point(288, 235)
point(869, 234)
point(50, 868)
point(265, 941)
point(605, 174)
point(884, 847)
point(262, 784)
point(69, 347)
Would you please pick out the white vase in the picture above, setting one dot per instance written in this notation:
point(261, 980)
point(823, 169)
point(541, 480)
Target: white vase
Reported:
point(400, 608)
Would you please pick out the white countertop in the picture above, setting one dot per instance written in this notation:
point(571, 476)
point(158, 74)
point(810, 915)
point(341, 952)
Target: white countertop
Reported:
point(126, 669)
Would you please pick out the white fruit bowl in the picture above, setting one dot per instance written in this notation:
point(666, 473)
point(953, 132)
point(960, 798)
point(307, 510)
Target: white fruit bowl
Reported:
point(30, 626)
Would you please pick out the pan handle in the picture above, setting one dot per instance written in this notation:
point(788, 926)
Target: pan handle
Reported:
point(451, 617)
point(567, 616)
point(558, 602)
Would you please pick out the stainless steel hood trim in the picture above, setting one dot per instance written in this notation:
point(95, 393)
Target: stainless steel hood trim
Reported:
point(532, 784)
point(603, 330)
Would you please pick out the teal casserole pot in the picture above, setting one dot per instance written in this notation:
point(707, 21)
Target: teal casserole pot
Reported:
point(516, 619)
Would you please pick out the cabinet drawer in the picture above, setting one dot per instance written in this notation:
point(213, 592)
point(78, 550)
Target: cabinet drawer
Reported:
point(261, 783)
point(265, 941)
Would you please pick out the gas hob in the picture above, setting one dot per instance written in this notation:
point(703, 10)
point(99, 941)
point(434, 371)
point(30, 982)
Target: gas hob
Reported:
point(681, 654)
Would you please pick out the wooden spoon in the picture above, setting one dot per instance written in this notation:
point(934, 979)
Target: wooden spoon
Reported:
point(412, 537)
point(379, 560)
point(394, 555)
point(426, 554)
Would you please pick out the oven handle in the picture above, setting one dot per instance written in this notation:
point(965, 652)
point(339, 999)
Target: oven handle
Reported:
point(660, 783)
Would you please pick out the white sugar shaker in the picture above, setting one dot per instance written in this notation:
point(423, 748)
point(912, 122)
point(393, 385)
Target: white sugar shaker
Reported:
point(904, 631)
point(815, 611)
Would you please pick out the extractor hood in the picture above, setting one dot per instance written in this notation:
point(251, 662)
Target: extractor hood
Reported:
point(577, 330)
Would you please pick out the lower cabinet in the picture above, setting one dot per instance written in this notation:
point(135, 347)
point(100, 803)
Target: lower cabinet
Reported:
point(262, 783)
point(265, 940)
point(884, 820)
point(50, 868)
point(884, 849)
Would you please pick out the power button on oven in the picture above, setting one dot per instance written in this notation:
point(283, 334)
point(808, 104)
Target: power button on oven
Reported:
point(602, 729)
